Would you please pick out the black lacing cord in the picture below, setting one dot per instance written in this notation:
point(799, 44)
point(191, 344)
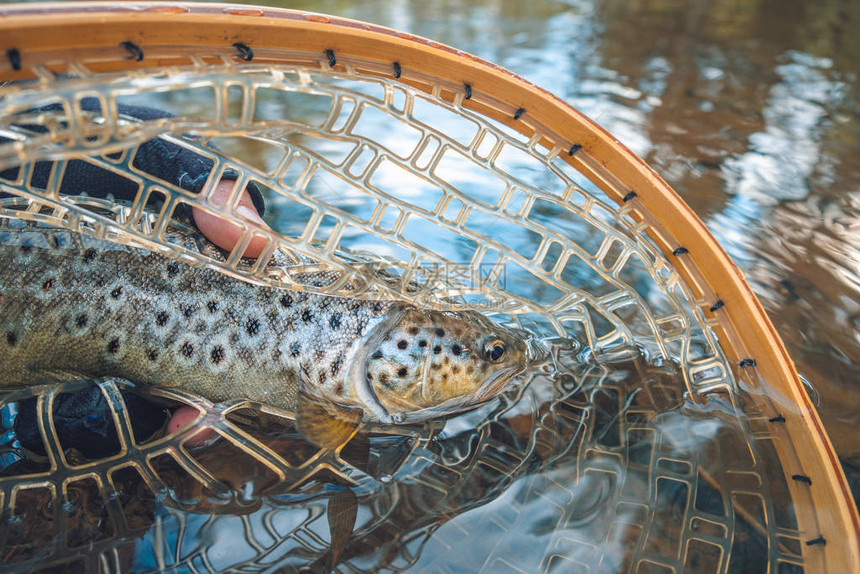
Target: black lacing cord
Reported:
point(245, 51)
point(14, 58)
point(135, 53)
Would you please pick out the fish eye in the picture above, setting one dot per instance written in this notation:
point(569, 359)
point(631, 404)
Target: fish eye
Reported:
point(495, 350)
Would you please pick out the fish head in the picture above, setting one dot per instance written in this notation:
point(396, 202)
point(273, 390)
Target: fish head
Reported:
point(422, 363)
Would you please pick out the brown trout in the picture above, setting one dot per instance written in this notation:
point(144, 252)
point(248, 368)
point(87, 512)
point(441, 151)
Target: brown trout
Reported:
point(73, 307)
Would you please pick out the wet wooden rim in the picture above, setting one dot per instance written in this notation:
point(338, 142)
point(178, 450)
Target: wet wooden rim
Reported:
point(36, 33)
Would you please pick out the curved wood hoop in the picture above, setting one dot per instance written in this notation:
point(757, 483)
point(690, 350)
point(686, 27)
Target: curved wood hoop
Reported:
point(40, 39)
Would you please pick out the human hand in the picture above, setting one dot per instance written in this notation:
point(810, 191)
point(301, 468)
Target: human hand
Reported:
point(221, 231)
point(224, 234)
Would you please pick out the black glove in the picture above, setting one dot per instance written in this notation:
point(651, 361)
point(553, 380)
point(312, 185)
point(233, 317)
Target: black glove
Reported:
point(83, 421)
point(160, 159)
point(82, 418)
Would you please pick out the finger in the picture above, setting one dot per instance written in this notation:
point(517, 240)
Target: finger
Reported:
point(220, 230)
point(185, 416)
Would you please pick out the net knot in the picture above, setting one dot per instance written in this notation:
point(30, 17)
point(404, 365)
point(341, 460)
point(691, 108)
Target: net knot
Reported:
point(135, 53)
point(14, 58)
point(245, 51)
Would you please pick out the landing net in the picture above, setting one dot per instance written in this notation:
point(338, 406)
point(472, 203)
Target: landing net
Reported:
point(667, 421)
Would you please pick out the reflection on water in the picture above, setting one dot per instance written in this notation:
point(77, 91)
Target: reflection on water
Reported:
point(748, 109)
point(597, 462)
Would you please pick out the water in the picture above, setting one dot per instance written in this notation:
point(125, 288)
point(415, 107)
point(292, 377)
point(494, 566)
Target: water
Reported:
point(595, 461)
point(749, 110)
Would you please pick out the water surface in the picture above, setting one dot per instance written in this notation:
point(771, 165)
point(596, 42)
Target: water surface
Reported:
point(748, 109)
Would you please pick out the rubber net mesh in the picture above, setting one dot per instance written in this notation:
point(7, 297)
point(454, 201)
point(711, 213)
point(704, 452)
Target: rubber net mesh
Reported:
point(631, 447)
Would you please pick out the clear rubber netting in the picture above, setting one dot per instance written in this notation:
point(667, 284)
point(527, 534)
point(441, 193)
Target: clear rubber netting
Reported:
point(634, 445)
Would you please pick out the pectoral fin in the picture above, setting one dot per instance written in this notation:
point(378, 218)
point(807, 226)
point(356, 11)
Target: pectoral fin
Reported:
point(324, 423)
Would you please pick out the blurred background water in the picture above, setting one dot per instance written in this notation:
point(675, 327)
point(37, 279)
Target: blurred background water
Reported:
point(748, 108)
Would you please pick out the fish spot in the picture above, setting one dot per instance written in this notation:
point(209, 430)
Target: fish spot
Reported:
point(286, 301)
point(322, 376)
point(437, 349)
point(434, 366)
point(113, 346)
point(336, 364)
point(26, 248)
point(456, 349)
point(162, 318)
point(339, 388)
point(89, 255)
point(172, 268)
point(307, 316)
point(212, 306)
point(446, 360)
point(402, 344)
point(470, 370)
point(377, 308)
point(217, 354)
point(369, 376)
point(335, 321)
point(445, 377)
point(455, 369)
point(187, 349)
point(377, 354)
point(319, 355)
point(252, 326)
point(81, 321)
point(385, 380)
point(402, 372)
point(48, 284)
point(414, 331)
point(11, 338)
point(440, 332)
point(422, 343)
point(188, 311)
point(152, 355)
point(116, 293)
point(295, 349)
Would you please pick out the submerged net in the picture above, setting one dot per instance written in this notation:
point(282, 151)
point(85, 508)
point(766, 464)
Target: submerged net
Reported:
point(641, 443)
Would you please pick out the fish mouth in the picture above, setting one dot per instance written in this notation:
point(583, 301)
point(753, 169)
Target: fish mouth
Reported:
point(493, 385)
point(488, 391)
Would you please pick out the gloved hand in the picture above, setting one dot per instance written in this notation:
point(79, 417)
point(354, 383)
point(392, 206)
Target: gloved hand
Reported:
point(83, 418)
